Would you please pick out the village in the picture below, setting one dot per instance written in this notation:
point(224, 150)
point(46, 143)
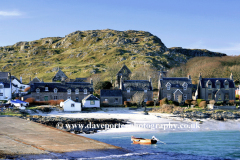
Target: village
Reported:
point(75, 95)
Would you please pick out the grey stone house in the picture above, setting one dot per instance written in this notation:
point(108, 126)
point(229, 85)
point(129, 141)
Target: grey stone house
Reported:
point(123, 73)
point(61, 90)
point(218, 89)
point(175, 88)
point(59, 76)
point(111, 97)
point(130, 87)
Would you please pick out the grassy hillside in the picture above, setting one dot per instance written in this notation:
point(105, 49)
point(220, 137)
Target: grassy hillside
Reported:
point(86, 53)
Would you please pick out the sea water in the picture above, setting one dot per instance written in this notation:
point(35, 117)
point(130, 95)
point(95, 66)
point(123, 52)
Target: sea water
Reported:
point(210, 145)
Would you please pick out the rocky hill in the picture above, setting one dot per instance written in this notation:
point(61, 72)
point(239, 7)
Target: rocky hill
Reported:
point(83, 53)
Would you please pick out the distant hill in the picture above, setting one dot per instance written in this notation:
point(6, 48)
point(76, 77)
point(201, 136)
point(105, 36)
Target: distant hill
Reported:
point(84, 53)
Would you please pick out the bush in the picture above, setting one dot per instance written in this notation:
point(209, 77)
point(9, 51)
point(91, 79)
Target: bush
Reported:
point(30, 100)
point(231, 102)
point(163, 101)
point(176, 103)
point(199, 100)
point(194, 103)
point(212, 102)
point(127, 104)
point(188, 101)
point(170, 102)
point(203, 104)
point(27, 89)
point(237, 96)
point(150, 103)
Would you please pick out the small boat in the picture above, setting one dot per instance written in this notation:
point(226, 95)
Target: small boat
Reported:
point(143, 140)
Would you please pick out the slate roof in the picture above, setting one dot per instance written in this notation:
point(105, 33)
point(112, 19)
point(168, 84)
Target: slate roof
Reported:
point(111, 93)
point(62, 87)
point(136, 85)
point(90, 97)
point(176, 82)
point(124, 67)
point(13, 77)
point(4, 75)
point(58, 76)
point(213, 80)
point(5, 82)
point(78, 80)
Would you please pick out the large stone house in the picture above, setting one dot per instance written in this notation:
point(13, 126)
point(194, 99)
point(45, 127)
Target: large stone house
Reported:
point(123, 73)
point(218, 89)
point(175, 88)
point(61, 90)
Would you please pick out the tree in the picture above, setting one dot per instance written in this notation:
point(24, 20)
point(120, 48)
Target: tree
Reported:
point(103, 85)
point(138, 98)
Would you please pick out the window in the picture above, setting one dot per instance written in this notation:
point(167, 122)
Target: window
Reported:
point(218, 85)
point(226, 96)
point(145, 89)
point(169, 96)
point(23, 87)
point(185, 96)
point(106, 100)
point(128, 90)
point(37, 98)
point(92, 102)
point(72, 105)
point(116, 100)
point(168, 86)
point(46, 88)
point(145, 100)
point(1, 86)
point(226, 85)
point(38, 90)
point(69, 91)
point(55, 90)
point(209, 86)
point(55, 97)
point(184, 86)
point(85, 91)
point(69, 97)
point(219, 98)
point(128, 99)
point(45, 98)
point(209, 96)
point(1, 94)
point(77, 91)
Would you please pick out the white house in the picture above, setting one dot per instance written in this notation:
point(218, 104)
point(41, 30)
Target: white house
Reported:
point(5, 91)
point(19, 84)
point(70, 105)
point(91, 102)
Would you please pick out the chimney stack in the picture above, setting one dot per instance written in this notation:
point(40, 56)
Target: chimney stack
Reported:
point(200, 76)
point(121, 81)
point(91, 81)
point(231, 76)
point(21, 78)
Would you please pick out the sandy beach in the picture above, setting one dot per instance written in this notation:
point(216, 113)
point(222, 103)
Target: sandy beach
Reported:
point(153, 122)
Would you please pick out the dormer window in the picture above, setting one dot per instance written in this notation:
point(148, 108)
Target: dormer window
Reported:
point(85, 91)
point(185, 86)
point(128, 90)
point(38, 90)
point(55, 90)
point(69, 91)
point(77, 91)
point(226, 84)
point(1, 86)
point(209, 84)
point(168, 86)
point(217, 84)
point(46, 88)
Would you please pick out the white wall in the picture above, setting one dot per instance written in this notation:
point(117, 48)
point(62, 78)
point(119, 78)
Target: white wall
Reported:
point(68, 106)
point(86, 104)
point(6, 94)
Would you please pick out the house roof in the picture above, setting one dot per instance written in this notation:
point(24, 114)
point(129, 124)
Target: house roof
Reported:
point(176, 82)
point(13, 77)
point(204, 81)
point(5, 82)
point(136, 85)
point(4, 75)
point(111, 93)
point(59, 75)
point(90, 97)
point(124, 67)
point(62, 87)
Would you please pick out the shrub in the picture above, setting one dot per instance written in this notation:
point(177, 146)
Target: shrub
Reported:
point(194, 103)
point(30, 100)
point(212, 102)
point(176, 103)
point(150, 103)
point(27, 89)
point(203, 104)
point(237, 96)
point(170, 102)
point(188, 101)
point(231, 102)
point(127, 104)
point(163, 101)
point(199, 100)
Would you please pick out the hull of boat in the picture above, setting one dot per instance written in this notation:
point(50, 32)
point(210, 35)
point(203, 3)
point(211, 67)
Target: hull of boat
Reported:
point(144, 141)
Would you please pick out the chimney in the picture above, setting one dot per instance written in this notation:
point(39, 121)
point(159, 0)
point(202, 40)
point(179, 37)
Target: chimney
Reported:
point(200, 76)
point(91, 81)
point(150, 80)
point(121, 81)
point(161, 76)
point(231, 76)
point(189, 77)
point(21, 78)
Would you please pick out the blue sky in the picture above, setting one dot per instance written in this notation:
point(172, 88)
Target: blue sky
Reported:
point(203, 24)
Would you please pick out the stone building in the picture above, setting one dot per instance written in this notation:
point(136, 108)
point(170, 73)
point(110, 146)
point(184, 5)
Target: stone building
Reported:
point(130, 87)
point(59, 76)
point(111, 97)
point(175, 88)
point(218, 89)
point(123, 73)
point(61, 90)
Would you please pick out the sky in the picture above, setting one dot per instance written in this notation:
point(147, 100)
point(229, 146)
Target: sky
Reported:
point(196, 24)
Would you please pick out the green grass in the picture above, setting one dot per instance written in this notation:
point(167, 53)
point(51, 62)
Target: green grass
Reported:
point(11, 113)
